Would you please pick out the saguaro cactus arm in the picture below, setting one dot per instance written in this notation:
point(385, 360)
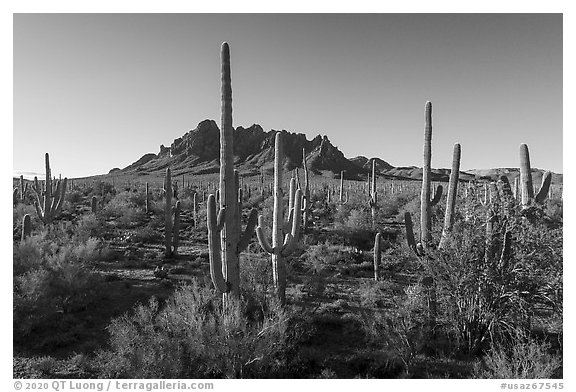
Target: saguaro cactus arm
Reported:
point(214, 251)
point(544, 188)
point(262, 237)
point(248, 231)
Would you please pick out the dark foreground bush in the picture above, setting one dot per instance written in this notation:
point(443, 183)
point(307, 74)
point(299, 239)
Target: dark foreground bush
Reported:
point(194, 336)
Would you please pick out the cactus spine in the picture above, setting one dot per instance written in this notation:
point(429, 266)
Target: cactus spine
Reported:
point(49, 198)
point(224, 256)
point(452, 194)
point(281, 246)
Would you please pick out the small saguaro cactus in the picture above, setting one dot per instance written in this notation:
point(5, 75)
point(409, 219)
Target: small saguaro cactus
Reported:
point(226, 223)
point(282, 245)
point(94, 204)
point(341, 198)
point(195, 209)
point(377, 255)
point(49, 197)
point(425, 201)
point(147, 199)
point(452, 194)
point(26, 226)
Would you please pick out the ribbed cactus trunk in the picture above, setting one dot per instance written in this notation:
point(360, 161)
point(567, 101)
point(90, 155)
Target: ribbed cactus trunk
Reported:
point(527, 188)
point(425, 211)
point(168, 213)
point(341, 186)
point(147, 199)
point(452, 194)
point(373, 202)
point(94, 204)
point(228, 187)
point(306, 197)
point(278, 266)
point(26, 227)
point(377, 255)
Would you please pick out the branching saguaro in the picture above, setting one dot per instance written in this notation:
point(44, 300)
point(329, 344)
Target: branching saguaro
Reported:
point(225, 237)
point(49, 197)
point(282, 246)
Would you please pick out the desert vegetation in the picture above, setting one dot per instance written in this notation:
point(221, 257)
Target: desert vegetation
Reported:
point(289, 274)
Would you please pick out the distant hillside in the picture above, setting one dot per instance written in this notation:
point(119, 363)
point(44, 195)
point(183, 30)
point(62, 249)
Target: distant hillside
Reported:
point(198, 152)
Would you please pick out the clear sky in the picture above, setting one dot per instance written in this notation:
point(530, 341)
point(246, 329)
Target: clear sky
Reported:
point(98, 91)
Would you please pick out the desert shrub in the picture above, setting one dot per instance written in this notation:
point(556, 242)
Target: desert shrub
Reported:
point(74, 196)
point(390, 206)
point(49, 283)
point(144, 234)
point(193, 337)
point(482, 295)
point(401, 330)
point(520, 357)
point(124, 208)
point(89, 226)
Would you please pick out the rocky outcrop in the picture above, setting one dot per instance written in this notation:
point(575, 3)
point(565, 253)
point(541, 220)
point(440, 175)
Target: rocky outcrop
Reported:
point(198, 152)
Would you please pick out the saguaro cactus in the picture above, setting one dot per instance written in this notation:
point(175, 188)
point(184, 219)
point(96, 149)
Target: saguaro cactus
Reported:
point(147, 199)
point(49, 200)
point(373, 194)
point(425, 201)
point(452, 194)
point(527, 187)
point(26, 226)
point(171, 220)
point(306, 201)
point(282, 245)
point(94, 204)
point(23, 189)
point(377, 255)
point(224, 257)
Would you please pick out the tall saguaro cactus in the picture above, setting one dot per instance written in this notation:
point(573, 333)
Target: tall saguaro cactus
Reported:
point(425, 201)
point(282, 245)
point(373, 194)
point(306, 201)
point(171, 229)
point(224, 256)
point(452, 194)
point(49, 200)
